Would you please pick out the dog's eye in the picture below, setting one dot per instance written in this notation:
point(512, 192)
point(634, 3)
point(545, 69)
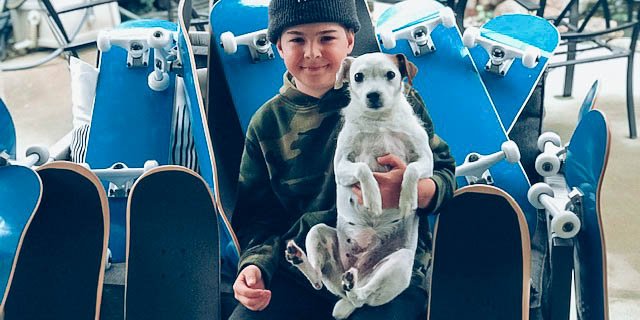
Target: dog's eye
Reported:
point(358, 77)
point(391, 75)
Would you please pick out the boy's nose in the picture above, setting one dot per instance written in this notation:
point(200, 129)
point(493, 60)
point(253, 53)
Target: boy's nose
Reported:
point(312, 51)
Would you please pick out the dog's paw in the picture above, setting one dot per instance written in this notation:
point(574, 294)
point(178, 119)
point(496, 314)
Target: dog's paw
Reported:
point(349, 279)
point(408, 203)
point(293, 253)
point(373, 204)
point(343, 309)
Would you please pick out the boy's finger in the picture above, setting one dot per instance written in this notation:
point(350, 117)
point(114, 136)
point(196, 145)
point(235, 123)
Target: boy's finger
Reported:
point(392, 161)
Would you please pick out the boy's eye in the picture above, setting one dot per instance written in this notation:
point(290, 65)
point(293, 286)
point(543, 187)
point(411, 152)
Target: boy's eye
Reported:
point(391, 75)
point(297, 40)
point(358, 77)
point(327, 38)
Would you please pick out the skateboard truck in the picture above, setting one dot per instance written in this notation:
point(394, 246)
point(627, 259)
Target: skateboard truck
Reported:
point(564, 223)
point(501, 55)
point(35, 156)
point(121, 177)
point(258, 43)
point(418, 33)
point(138, 42)
point(549, 162)
point(476, 166)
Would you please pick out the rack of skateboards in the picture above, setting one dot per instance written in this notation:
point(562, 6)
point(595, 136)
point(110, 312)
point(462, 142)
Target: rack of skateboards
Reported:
point(62, 224)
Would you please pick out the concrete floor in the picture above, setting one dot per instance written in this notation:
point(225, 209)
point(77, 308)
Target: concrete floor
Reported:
point(40, 101)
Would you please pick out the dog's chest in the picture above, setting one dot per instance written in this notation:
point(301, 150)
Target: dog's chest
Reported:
point(369, 145)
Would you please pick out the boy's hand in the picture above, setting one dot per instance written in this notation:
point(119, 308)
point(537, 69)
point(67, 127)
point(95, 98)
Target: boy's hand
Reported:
point(249, 289)
point(391, 183)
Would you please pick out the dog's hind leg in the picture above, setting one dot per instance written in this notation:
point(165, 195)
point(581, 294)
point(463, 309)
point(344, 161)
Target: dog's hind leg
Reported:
point(299, 259)
point(388, 279)
point(324, 255)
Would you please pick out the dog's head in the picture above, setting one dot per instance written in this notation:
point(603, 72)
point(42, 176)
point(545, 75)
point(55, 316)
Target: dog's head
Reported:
point(375, 79)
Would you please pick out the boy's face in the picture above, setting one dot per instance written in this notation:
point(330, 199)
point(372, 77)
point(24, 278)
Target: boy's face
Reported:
point(313, 53)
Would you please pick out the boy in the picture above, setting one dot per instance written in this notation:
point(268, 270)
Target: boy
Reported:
point(286, 182)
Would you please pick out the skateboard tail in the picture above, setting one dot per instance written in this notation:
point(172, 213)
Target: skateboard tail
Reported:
point(585, 167)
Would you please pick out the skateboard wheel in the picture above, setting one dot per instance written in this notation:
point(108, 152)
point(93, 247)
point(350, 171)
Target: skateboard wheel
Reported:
point(530, 57)
point(565, 224)
point(548, 137)
point(511, 151)
point(547, 164)
point(447, 17)
point(41, 152)
point(536, 191)
point(388, 39)
point(470, 36)
point(150, 164)
point(228, 42)
point(104, 41)
point(85, 165)
point(159, 38)
point(108, 259)
point(158, 84)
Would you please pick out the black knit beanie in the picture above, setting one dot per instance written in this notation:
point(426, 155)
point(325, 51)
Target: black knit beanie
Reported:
point(288, 13)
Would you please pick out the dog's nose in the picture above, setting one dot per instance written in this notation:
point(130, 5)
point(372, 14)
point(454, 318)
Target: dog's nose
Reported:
point(373, 96)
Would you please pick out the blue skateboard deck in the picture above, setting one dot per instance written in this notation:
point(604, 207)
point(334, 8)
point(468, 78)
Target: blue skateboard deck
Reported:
point(130, 123)
point(457, 100)
point(229, 248)
point(172, 247)
point(7, 132)
point(60, 262)
point(250, 84)
point(585, 165)
point(589, 101)
point(481, 258)
point(511, 91)
point(20, 193)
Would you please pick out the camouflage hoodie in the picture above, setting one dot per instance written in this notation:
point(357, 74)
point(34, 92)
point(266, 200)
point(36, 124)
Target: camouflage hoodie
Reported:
point(286, 182)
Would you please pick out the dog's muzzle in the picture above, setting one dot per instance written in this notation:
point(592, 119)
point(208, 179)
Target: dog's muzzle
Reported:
point(373, 100)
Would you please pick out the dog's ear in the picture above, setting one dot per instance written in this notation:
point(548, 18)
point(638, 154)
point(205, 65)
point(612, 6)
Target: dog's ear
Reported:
point(343, 74)
point(406, 67)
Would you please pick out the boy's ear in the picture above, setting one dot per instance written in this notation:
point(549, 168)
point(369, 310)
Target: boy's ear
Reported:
point(406, 67)
point(343, 74)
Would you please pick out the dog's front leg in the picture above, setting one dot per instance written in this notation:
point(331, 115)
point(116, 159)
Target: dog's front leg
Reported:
point(348, 173)
point(423, 168)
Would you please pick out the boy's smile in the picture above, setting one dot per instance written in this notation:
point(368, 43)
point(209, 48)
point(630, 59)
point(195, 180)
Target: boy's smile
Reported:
point(313, 53)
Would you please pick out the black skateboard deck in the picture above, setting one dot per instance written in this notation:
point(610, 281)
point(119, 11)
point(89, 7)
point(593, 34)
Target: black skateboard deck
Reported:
point(60, 261)
point(481, 258)
point(172, 247)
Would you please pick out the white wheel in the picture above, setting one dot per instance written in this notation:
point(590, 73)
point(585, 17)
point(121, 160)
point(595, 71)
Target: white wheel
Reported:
point(85, 165)
point(470, 36)
point(536, 191)
point(447, 17)
point(548, 137)
point(108, 259)
point(565, 224)
point(547, 164)
point(511, 151)
point(388, 39)
point(159, 38)
point(228, 42)
point(41, 152)
point(150, 164)
point(103, 41)
point(158, 84)
point(530, 57)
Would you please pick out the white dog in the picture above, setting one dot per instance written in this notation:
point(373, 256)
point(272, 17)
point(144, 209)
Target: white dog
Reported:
point(368, 257)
